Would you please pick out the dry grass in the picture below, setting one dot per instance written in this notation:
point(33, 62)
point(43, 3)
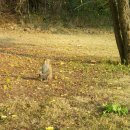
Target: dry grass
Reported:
point(86, 75)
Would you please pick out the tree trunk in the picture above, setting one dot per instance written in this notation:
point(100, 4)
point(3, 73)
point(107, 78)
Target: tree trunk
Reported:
point(123, 8)
point(121, 22)
point(117, 30)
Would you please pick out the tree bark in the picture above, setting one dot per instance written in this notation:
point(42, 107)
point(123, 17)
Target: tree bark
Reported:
point(121, 22)
point(123, 9)
point(117, 30)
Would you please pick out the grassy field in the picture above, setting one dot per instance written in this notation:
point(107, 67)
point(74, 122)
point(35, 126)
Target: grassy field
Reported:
point(86, 75)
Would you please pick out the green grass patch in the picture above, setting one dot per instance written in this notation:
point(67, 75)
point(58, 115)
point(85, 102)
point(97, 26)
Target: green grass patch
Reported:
point(115, 108)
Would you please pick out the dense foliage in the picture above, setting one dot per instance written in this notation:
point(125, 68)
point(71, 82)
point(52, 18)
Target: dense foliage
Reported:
point(68, 11)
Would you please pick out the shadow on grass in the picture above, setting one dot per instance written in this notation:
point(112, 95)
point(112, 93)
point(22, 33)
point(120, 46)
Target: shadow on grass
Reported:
point(81, 59)
point(26, 77)
point(8, 42)
point(29, 78)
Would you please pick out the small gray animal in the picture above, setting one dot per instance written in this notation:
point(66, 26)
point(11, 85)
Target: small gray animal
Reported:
point(45, 72)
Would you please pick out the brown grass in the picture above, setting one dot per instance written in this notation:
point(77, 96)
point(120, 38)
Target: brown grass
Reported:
point(86, 74)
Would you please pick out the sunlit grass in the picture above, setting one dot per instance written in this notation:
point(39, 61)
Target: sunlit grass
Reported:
point(83, 80)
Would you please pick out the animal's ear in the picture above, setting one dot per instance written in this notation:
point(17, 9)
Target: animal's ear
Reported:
point(49, 61)
point(44, 60)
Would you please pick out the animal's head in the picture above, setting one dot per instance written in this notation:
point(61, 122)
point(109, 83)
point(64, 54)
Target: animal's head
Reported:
point(47, 61)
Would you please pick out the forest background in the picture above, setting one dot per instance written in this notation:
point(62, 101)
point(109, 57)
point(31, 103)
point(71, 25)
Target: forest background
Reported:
point(67, 13)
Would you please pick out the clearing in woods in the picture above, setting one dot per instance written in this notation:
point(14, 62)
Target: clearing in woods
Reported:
point(86, 75)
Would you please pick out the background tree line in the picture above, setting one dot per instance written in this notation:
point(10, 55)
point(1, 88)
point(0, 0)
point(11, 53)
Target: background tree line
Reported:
point(67, 11)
